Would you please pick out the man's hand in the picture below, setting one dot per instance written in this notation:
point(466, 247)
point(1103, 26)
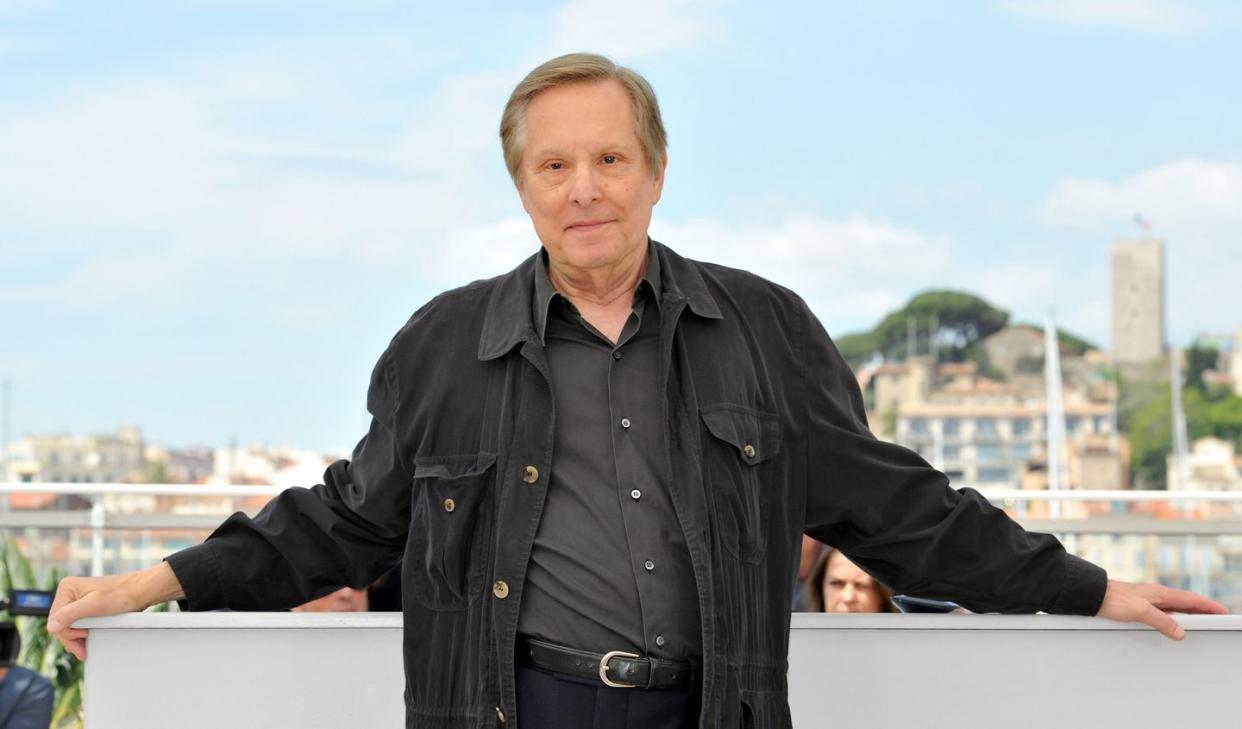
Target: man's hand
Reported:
point(1128, 602)
point(84, 597)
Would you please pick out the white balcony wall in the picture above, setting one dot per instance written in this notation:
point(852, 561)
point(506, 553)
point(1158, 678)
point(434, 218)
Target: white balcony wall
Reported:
point(307, 671)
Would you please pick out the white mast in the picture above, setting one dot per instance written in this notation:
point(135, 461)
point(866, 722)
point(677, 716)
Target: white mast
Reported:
point(1057, 470)
point(1180, 447)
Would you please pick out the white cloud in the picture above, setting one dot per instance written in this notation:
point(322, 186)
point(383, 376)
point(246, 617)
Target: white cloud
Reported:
point(1145, 16)
point(633, 29)
point(1186, 192)
point(851, 271)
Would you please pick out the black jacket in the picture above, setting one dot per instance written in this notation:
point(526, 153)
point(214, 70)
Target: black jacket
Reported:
point(767, 436)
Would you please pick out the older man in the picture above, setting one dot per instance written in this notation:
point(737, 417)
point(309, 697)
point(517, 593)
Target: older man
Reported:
point(598, 468)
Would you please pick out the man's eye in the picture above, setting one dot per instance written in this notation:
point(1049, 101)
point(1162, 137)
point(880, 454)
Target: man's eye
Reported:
point(556, 165)
point(610, 159)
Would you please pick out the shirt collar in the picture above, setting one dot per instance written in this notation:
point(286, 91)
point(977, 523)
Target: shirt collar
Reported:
point(509, 321)
point(545, 293)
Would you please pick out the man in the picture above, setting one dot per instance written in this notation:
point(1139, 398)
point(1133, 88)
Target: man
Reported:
point(26, 697)
point(598, 467)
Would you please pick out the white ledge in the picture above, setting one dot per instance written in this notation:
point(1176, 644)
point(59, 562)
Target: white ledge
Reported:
point(800, 621)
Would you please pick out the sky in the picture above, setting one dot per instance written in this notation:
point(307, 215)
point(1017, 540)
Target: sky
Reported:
point(214, 214)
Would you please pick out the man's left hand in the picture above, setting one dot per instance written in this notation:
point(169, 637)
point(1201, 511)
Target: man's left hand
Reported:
point(1128, 602)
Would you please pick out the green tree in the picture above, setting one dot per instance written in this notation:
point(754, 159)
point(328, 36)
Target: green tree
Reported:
point(857, 348)
point(962, 320)
point(1198, 360)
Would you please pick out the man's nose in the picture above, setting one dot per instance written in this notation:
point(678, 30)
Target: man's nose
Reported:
point(585, 189)
point(848, 594)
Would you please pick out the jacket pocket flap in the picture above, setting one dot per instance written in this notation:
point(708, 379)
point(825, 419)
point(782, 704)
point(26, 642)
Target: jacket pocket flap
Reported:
point(754, 434)
point(453, 466)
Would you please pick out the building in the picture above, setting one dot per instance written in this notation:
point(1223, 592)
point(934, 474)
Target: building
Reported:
point(1235, 362)
point(1138, 301)
point(986, 432)
point(109, 458)
point(1212, 465)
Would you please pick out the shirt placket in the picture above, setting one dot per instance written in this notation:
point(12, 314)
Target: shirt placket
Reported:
point(634, 431)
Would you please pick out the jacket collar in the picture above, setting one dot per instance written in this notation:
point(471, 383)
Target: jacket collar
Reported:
point(508, 320)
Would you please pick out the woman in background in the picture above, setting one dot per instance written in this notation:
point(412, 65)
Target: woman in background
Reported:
point(837, 585)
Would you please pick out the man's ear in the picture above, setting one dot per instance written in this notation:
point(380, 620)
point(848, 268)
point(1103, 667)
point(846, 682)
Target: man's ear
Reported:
point(659, 178)
point(521, 192)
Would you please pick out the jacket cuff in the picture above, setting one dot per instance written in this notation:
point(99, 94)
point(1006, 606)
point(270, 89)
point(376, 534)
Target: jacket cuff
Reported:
point(198, 571)
point(1082, 591)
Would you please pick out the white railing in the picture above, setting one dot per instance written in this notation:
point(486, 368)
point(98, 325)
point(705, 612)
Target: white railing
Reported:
point(1188, 518)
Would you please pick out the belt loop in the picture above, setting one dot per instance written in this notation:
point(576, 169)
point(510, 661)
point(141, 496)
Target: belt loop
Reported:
point(653, 666)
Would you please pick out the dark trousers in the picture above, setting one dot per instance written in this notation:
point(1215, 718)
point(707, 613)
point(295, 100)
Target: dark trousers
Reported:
point(554, 701)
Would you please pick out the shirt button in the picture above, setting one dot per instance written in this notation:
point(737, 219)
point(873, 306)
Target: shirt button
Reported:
point(500, 714)
point(625, 423)
point(636, 494)
point(449, 505)
point(649, 565)
point(530, 474)
point(500, 589)
point(659, 640)
point(749, 450)
point(616, 354)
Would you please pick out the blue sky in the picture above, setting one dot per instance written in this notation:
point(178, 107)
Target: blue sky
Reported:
point(214, 214)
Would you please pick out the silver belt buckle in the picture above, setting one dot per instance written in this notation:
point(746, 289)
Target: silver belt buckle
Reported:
point(603, 669)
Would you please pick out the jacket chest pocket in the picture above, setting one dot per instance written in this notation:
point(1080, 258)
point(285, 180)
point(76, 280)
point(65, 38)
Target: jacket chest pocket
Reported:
point(735, 457)
point(450, 529)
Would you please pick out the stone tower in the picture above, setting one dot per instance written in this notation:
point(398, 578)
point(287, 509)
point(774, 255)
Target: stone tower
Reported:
point(1138, 300)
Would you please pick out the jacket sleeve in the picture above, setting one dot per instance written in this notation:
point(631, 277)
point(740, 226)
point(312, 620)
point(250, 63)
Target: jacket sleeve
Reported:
point(898, 518)
point(305, 543)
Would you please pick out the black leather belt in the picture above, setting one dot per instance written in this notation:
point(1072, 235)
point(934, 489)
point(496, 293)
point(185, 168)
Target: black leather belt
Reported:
point(614, 668)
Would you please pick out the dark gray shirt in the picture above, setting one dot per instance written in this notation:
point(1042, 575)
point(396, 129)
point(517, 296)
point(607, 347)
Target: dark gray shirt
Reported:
point(609, 568)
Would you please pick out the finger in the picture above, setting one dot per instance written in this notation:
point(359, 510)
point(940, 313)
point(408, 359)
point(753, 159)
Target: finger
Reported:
point(1162, 621)
point(77, 647)
point(71, 611)
point(1182, 601)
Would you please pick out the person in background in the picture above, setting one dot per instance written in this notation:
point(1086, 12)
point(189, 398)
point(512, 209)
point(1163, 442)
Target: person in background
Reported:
point(25, 696)
point(837, 585)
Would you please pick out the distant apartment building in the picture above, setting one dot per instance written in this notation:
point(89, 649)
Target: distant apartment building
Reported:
point(270, 465)
point(108, 458)
point(1138, 321)
point(986, 432)
point(1212, 465)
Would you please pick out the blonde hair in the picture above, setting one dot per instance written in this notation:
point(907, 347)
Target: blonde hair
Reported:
point(583, 68)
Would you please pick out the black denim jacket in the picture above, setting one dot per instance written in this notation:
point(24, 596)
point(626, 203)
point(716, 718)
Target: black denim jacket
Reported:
point(767, 438)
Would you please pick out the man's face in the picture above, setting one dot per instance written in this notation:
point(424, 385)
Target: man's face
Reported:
point(584, 179)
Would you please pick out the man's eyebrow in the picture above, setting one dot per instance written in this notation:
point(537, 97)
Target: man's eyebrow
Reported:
point(547, 152)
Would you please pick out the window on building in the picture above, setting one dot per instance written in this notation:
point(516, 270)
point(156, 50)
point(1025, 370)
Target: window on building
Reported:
point(951, 426)
point(994, 475)
point(952, 454)
point(1073, 424)
point(987, 453)
point(985, 426)
point(918, 426)
point(1021, 427)
point(1020, 451)
point(1101, 424)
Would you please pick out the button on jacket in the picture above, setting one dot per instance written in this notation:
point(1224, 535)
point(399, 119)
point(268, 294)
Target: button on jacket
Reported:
point(766, 437)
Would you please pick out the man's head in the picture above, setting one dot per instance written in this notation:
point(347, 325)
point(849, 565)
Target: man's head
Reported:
point(577, 68)
point(585, 145)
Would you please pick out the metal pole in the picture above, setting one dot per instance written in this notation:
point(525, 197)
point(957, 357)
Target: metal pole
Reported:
point(98, 519)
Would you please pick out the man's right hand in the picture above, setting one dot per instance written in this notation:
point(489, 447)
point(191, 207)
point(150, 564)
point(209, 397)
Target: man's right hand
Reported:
point(84, 597)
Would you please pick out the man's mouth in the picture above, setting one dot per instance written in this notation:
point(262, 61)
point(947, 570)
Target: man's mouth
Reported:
point(587, 226)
